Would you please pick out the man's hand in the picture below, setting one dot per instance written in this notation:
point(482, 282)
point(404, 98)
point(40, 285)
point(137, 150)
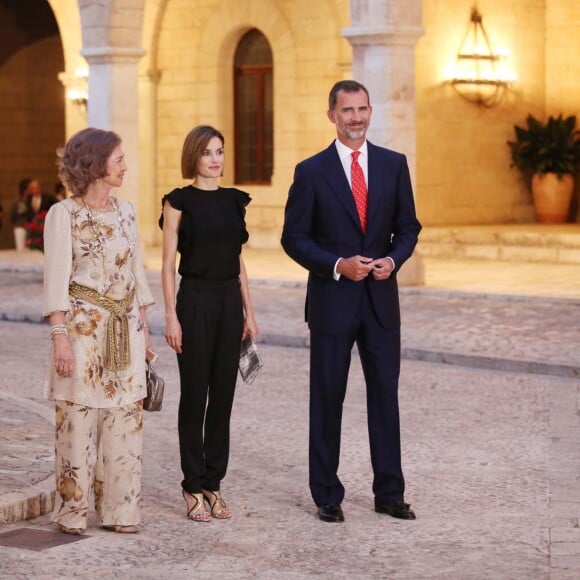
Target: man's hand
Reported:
point(382, 268)
point(355, 268)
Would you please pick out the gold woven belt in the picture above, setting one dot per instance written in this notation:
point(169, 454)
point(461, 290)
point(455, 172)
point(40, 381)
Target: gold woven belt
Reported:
point(117, 353)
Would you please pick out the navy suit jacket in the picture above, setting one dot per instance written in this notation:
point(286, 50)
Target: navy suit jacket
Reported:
point(321, 225)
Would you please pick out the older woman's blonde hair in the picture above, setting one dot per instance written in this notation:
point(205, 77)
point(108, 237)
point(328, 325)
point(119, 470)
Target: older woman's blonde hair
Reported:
point(83, 159)
point(193, 147)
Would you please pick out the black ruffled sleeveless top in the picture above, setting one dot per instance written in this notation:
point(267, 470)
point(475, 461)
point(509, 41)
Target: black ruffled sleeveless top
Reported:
point(212, 231)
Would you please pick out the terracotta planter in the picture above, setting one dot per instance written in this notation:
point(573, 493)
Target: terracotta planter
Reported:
point(552, 197)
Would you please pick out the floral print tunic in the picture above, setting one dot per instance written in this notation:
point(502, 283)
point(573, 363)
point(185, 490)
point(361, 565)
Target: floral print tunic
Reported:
point(100, 250)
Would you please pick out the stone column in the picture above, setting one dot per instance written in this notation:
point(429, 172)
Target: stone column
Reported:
point(114, 105)
point(383, 36)
point(150, 205)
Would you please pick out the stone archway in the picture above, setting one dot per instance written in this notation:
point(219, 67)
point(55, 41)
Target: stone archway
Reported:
point(31, 100)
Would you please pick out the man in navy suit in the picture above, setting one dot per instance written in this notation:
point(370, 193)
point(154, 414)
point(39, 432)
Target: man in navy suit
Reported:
point(36, 201)
point(350, 221)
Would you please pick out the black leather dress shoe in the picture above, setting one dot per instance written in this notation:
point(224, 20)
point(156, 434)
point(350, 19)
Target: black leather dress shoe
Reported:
point(331, 513)
point(396, 509)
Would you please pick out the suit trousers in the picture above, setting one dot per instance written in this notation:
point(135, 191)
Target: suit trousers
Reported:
point(100, 449)
point(330, 356)
point(211, 317)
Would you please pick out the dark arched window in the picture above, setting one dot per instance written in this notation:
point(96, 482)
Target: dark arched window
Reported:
point(253, 115)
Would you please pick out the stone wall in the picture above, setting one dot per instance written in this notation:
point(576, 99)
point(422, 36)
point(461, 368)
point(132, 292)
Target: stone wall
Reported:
point(563, 68)
point(31, 121)
point(463, 167)
point(195, 62)
point(463, 163)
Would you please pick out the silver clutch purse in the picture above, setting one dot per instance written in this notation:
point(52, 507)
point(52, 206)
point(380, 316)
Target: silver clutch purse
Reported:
point(155, 387)
point(250, 360)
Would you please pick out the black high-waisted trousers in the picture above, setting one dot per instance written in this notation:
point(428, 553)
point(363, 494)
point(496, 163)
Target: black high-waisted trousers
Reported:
point(211, 317)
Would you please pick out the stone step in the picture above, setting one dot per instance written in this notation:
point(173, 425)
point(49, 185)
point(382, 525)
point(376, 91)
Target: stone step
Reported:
point(557, 244)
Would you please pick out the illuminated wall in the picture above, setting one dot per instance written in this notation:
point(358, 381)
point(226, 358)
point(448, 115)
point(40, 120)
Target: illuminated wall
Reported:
point(463, 173)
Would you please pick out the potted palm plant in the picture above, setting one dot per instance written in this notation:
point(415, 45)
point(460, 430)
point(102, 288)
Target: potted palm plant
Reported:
point(548, 154)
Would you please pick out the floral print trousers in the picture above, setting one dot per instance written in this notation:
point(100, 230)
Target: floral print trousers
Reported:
point(99, 449)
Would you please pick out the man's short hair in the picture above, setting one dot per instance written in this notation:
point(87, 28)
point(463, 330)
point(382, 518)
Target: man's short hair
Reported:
point(347, 87)
point(23, 184)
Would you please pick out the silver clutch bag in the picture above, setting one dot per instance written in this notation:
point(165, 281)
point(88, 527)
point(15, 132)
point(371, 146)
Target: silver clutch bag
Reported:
point(250, 360)
point(155, 387)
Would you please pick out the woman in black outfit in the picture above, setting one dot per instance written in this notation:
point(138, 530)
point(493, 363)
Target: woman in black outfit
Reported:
point(213, 312)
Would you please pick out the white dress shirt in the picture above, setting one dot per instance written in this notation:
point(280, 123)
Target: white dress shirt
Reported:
point(345, 155)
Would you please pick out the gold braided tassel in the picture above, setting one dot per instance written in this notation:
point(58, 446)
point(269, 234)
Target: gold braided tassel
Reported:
point(117, 351)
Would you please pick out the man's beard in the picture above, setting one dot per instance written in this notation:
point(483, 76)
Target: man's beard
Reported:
point(357, 133)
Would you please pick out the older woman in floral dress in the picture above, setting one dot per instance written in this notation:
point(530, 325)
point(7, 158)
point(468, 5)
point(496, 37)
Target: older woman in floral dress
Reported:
point(95, 296)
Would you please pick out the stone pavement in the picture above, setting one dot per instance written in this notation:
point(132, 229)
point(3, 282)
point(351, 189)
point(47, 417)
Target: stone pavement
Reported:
point(490, 407)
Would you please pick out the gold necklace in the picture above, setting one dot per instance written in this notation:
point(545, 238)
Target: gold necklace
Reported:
point(108, 202)
point(99, 238)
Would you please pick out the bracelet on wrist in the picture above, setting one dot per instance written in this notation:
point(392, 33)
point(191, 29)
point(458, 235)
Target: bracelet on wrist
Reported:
point(58, 329)
point(59, 332)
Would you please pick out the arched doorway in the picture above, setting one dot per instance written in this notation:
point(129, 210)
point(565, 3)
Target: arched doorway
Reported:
point(254, 114)
point(32, 123)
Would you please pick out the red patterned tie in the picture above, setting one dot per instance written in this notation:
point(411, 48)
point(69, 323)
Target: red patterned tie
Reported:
point(359, 189)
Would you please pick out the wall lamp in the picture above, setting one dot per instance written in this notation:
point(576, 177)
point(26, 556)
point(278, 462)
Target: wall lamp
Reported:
point(78, 97)
point(78, 89)
point(480, 73)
